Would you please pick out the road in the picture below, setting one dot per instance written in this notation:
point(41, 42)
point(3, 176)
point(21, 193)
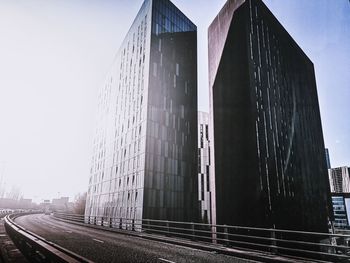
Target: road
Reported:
point(103, 246)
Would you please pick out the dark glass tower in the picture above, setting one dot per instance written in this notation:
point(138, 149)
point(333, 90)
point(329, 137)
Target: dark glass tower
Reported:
point(144, 164)
point(270, 165)
point(170, 191)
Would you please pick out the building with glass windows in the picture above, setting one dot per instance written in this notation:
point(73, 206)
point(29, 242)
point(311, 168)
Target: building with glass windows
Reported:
point(339, 179)
point(144, 161)
point(270, 165)
point(341, 208)
point(204, 193)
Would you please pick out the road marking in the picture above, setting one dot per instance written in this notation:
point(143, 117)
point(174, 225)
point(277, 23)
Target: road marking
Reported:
point(68, 231)
point(97, 240)
point(165, 260)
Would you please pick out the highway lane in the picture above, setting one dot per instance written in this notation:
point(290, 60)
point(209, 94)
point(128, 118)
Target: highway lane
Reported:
point(103, 246)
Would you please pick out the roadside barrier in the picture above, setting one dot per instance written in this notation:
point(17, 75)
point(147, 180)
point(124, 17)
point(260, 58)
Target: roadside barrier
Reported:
point(36, 248)
point(308, 245)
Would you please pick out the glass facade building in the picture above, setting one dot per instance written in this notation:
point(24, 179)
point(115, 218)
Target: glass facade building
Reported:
point(144, 161)
point(341, 210)
point(339, 179)
point(204, 193)
point(270, 165)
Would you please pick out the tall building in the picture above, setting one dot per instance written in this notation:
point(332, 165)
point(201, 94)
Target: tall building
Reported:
point(204, 194)
point(328, 159)
point(341, 208)
point(339, 179)
point(144, 162)
point(270, 168)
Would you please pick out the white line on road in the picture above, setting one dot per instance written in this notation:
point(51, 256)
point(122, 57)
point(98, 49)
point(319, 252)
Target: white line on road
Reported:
point(97, 240)
point(68, 231)
point(165, 260)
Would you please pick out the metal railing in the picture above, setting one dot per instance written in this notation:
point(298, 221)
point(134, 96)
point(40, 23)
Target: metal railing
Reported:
point(36, 248)
point(309, 245)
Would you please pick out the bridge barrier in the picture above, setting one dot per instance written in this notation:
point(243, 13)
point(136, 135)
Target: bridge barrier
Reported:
point(36, 248)
point(309, 245)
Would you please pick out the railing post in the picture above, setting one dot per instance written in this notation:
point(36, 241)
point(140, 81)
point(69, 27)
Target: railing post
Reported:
point(102, 221)
point(95, 220)
point(121, 223)
point(193, 232)
point(110, 222)
point(133, 225)
point(213, 234)
point(167, 228)
point(226, 237)
point(273, 241)
point(148, 224)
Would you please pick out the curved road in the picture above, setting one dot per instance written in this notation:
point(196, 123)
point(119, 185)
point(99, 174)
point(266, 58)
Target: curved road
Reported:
point(102, 246)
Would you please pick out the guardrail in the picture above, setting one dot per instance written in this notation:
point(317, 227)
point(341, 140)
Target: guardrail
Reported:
point(36, 248)
point(309, 245)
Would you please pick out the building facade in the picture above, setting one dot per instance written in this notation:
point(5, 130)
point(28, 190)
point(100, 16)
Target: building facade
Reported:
point(144, 162)
point(270, 166)
point(204, 193)
point(341, 208)
point(339, 179)
point(328, 159)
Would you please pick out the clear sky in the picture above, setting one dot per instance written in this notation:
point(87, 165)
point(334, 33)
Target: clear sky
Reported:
point(54, 55)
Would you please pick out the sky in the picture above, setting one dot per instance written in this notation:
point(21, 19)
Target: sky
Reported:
point(55, 54)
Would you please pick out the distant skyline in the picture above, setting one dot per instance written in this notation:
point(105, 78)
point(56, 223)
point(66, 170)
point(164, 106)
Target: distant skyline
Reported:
point(55, 55)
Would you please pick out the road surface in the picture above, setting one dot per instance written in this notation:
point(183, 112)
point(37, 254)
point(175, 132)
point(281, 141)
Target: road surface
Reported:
point(103, 246)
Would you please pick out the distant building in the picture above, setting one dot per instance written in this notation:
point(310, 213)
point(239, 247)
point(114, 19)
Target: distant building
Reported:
point(328, 160)
point(8, 203)
point(11, 203)
point(339, 179)
point(144, 161)
point(60, 204)
point(204, 194)
point(341, 209)
point(25, 203)
point(270, 166)
point(60, 201)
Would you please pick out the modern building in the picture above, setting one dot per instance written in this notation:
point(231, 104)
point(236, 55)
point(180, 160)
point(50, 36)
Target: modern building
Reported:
point(328, 159)
point(204, 194)
point(270, 166)
point(144, 162)
point(339, 179)
point(341, 208)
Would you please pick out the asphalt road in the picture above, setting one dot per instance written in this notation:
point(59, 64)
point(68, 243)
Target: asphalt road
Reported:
point(103, 246)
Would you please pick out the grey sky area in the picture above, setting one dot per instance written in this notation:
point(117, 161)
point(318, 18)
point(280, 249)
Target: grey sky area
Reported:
point(55, 54)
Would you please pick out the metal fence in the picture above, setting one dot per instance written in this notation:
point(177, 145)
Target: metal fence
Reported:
point(310, 245)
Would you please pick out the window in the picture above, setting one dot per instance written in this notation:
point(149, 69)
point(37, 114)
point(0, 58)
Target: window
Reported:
point(155, 69)
point(182, 110)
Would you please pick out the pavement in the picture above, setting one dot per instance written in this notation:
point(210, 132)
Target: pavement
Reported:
point(104, 246)
point(8, 251)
